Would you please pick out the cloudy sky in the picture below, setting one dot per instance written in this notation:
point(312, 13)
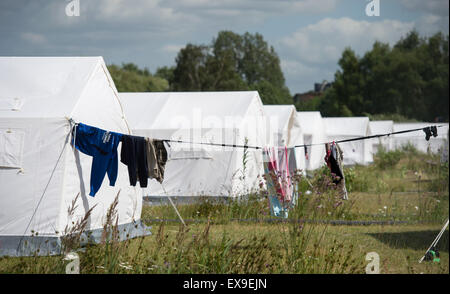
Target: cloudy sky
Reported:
point(308, 35)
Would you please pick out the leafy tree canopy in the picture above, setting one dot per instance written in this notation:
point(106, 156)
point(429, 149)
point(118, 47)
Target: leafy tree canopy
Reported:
point(231, 62)
point(130, 78)
point(410, 80)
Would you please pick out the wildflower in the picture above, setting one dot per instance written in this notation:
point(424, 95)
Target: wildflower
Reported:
point(125, 265)
point(417, 208)
point(385, 207)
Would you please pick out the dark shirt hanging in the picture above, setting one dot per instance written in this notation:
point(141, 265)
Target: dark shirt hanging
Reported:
point(134, 155)
point(332, 162)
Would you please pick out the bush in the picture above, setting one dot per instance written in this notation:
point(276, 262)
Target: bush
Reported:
point(387, 159)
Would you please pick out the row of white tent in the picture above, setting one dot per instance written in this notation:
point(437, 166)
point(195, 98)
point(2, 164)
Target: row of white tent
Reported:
point(41, 173)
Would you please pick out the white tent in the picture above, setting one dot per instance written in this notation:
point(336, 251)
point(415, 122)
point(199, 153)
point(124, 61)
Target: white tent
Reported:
point(382, 127)
point(216, 117)
point(285, 125)
point(313, 129)
point(417, 138)
point(40, 173)
point(341, 128)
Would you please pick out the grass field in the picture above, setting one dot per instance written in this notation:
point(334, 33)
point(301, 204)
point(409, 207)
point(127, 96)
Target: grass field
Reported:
point(406, 187)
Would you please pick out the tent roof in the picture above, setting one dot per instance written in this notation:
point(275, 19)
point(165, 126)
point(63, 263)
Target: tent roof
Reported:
point(44, 86)
point(381, 126)
point(346, 126)
point(280, 113)
point(311, 122)
point(157, 110)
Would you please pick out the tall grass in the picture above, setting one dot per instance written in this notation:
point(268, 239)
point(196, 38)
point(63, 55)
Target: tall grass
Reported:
point(299, 244)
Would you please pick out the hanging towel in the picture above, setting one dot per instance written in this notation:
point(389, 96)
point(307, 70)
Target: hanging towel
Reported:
point(102, 146)
point(273, 184)
point(285, 178)
point(156, 158)
point(134, 155)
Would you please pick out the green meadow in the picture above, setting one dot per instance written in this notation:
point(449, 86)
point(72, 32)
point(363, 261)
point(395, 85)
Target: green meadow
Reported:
point(396, 208)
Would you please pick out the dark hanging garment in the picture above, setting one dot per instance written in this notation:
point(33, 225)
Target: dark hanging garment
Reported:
point(102, 146)
point(134, 155)
point(331, 159)
point(334, 160)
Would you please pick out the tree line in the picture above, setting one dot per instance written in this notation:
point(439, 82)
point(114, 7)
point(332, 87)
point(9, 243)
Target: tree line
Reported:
point(406, 81)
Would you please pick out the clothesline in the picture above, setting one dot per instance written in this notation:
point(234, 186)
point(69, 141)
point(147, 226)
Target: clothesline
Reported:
point(370, 137)
point(302, 145)
point(295, 146)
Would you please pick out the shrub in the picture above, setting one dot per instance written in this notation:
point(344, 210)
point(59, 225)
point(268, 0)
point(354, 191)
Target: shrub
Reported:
point(387, 159)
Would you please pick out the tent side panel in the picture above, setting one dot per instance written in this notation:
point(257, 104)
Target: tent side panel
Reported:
point(31, 195)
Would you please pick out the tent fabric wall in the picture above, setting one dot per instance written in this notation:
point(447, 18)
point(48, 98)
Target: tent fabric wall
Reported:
point(194, 170)
point(382, 127)
point(417, 138)
point(36, 195)
point(285, 125)
point(341, 128)
point(313, 130)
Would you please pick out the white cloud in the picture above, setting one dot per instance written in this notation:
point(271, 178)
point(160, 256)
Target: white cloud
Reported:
point(429, 6)
point(269, 6)
point(171, 48)
point(324, 41)
point(433, 15)
point(314, 50)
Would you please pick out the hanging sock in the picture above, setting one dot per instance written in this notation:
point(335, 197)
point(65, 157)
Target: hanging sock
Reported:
point(102, 146)
point(434, 131)
point(428, 134)
point(134, 155)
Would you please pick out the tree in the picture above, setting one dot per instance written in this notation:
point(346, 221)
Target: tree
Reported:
point(190, 71)
point(165, 73)
point(232, 62)
point(410, 80)
point(130, 78)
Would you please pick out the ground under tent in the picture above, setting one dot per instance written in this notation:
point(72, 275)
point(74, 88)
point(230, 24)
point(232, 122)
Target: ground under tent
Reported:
point(40, 173)
point(313, 130)
point(342, 128)
point(194, 170)
point(285, 125)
